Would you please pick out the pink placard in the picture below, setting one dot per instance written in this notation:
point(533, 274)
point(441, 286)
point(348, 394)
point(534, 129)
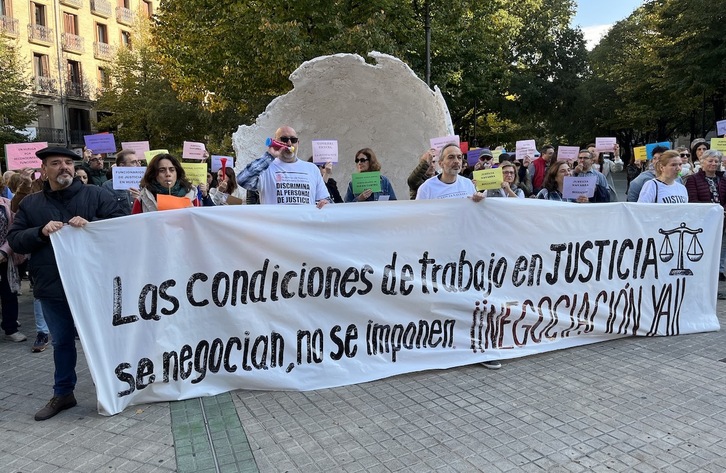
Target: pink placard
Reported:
point(138, 147)
point(193, 150)
point(568, 153)
point(22, 155)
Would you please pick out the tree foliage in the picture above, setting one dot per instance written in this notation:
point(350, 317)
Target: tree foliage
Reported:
point(16, 106)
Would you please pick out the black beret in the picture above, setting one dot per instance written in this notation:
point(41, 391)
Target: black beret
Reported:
point(56, 151)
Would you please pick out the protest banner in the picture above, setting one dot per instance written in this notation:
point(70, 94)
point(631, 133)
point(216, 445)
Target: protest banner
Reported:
point(138, 147)
point(473, 156)
point(100, 143)
point(568, 153)
point(178, 319)
point(525, 148)
point(605, 144)
point(366, 180)
point(325, 151)
point(488, 179)
point(127, 177)
point(22, 155)
point(194, 150)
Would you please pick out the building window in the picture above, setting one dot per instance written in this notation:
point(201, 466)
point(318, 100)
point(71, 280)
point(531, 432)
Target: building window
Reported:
point(104, 80)
point(6, 8)
point(38, 12)
point(126, 39)
point(101, 33)
point(146, 9)
point(124, 3)
point(41, 65)
point(70, 23)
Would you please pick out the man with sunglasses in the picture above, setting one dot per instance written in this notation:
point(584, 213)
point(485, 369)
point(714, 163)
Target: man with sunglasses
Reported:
point(281, 178)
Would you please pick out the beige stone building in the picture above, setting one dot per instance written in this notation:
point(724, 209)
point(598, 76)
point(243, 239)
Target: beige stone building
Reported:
point(67, 46)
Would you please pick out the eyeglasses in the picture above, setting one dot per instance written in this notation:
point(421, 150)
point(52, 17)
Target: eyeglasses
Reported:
point(361, 160)
point(508, 172)
point(685, 155)
point(291, 139)
point(485, 158)
point(133, 161)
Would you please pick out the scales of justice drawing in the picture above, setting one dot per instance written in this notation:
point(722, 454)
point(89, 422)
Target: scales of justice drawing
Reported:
point(693, 253)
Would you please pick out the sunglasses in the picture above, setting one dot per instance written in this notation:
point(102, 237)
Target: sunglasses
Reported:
point(685, 155)
point(361, 160)
point(291, 139)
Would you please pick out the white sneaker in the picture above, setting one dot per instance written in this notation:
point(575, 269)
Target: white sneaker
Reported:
point(16, 337)
point(492, 365)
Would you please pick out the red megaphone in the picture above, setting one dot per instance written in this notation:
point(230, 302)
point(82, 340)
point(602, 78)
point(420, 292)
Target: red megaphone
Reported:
point(224, 168)
point(277, 145)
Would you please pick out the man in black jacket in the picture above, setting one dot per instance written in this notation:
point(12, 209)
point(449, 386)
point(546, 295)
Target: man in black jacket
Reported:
point(63, 201)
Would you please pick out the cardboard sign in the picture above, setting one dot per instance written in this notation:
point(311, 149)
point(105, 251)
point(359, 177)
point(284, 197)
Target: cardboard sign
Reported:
point(573, 187)
point(640, 153)
point(217, 162)
point(100, 143)
point(138, 147)
point(127, 177)
point(605, 145)
point(325, 151)
point(721, 128)
point(525, 148)
point(193, 150)
point(440, 142)
point(196, 172)
point(149, 155)
point(488, 179)
point(649, 148)
point(22, 155)
point(568, 153)
point(171, 202)
point(718, 144)
point(366, 180)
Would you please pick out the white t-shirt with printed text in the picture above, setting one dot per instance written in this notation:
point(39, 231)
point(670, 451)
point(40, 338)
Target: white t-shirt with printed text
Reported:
point(675, 193)
point(435, 188)
point(298, 183)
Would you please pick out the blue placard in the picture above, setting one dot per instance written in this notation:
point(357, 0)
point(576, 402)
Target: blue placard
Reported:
point(100, 143)
point(649, 148)
point(473, 156)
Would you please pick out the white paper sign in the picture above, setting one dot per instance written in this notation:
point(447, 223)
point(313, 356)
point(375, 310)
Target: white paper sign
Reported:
point(325, 151)
point(440, 142)
point(721, 128)
point(127, 177)
point(138, 147)
point(217, 162)
point(283, 316)
point(525, 148)
point(568, 153)
point(605, 145)
point(573, 186)
point(193, 150)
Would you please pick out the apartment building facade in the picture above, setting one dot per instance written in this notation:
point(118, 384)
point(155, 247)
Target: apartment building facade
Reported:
point(68, 46)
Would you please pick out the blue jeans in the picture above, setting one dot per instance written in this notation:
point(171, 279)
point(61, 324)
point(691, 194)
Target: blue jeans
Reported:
point(40, 325)
point(63, 332)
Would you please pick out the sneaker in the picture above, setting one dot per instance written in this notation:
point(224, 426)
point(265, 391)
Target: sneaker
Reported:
point(41, 342)
point(492, 365)
point(16, 337)
point(55, 405)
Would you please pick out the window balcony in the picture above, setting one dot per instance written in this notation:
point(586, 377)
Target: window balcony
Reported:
point(124, 16)
point(101, 8)
point(76, 90)
point(72, 3)
point(45, 86)
point(103, 51)
point(51, 135)
point(72, 43)
point(9, 26)
point(40, 34)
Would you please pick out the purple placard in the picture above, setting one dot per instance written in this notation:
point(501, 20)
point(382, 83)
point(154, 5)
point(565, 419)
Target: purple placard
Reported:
point(473, 156)
point(100, 143)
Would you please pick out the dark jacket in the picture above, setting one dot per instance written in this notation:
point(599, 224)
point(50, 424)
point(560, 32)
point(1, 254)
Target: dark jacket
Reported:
point(697, 187)
point(95, 176)
point(417, 177)
point(36, 210)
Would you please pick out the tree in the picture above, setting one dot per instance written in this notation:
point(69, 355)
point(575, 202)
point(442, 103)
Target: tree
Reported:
point(17, 109)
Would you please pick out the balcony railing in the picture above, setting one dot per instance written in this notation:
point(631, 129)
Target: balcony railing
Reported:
point(76, 90)
point(124, 16)
point(72, 3)
point(101, 8)
point(45, 86)
point(103, 51)
point(72, 43)
point(9, 26)
point(77, 136)
point(51, 135)
point(40, 34)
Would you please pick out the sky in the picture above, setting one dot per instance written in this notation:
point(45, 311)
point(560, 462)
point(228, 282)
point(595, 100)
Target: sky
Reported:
point(595, 17)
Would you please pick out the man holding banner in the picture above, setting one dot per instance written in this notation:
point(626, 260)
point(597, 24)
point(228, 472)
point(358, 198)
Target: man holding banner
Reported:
point(281, 178)
point(63, 201)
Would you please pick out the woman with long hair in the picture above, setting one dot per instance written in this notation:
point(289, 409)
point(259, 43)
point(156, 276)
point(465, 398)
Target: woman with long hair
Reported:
point(164, 175)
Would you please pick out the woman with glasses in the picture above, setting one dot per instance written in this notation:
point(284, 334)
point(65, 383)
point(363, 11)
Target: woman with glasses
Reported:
point(509, 183)
point(366, 161)
point(687, 168)
point(164, 176)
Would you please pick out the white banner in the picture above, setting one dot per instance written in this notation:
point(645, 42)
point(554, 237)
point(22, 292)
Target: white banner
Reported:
point(199, 301)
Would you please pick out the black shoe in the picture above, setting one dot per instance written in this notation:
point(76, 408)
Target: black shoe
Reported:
point(721, 277)
point(41, 342)
point(55, 405)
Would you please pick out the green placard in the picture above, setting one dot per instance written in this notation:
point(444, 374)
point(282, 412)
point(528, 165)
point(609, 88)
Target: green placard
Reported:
point(366, 180)
point(488, 179)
